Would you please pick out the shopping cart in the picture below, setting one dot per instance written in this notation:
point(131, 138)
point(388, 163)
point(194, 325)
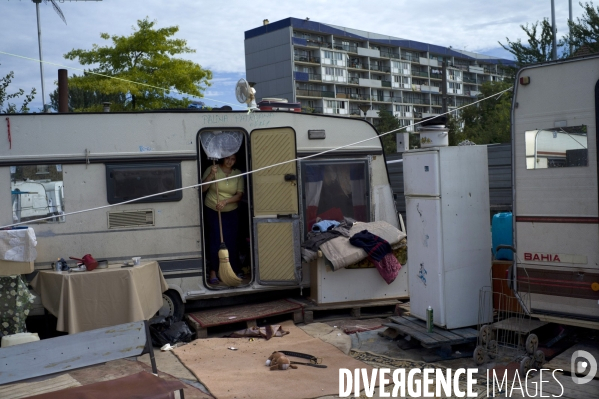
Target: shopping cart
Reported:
point(508, 336)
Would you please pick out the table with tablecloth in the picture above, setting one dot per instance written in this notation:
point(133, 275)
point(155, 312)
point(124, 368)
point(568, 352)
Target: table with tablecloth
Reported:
point(83, 301)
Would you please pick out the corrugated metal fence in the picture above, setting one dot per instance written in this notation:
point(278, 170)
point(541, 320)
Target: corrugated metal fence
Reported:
point(500, 179)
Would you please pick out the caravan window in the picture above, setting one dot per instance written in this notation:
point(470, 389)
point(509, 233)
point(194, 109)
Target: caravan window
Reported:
point(557, 147)
point(37, 192)
point(333, 190)
point(129, 181)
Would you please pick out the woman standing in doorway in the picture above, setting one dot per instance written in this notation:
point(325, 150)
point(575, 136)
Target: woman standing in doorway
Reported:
point(230, 192)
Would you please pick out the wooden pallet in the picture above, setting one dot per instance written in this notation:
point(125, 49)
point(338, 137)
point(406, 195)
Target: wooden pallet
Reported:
point(249, 314)
point(416, 329)
point(354, 310)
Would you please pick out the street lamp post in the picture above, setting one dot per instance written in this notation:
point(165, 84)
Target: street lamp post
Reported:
point(364, 108)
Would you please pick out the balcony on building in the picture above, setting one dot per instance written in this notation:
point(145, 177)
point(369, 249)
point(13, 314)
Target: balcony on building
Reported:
point(388, 53)
point(468, 78)
point(311, 110)
point(314, 93)
point(419, 72)
point(349, 47)
point(308, 58)
point(410, 57)
point(373, 66)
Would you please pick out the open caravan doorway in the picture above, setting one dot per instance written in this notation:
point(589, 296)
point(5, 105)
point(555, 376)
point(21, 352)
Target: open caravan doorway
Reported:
point(214, 145)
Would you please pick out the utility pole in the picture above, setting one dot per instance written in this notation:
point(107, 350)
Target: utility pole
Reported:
point(554, 49)
point(39, 42)
point(569, 28)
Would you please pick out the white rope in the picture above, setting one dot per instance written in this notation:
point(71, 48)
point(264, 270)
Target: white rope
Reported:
point(252, 171)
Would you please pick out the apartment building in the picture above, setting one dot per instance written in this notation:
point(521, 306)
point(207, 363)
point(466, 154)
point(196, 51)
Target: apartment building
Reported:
point(343, 71)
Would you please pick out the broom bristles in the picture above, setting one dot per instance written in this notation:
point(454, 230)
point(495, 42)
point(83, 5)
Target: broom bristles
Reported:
point(225, 271)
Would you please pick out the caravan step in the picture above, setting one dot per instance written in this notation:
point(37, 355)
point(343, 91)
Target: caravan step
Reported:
point(249, 313)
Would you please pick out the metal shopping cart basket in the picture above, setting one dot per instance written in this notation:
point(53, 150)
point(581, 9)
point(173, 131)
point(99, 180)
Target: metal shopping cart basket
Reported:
point(509, 336)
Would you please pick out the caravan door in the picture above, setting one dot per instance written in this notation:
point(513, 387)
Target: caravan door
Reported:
point(275, 215)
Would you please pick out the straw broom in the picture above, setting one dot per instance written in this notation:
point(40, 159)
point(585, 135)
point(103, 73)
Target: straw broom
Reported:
point(225, 271)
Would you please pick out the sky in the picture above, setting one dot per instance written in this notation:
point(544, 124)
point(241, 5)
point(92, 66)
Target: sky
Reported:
point(215, 29)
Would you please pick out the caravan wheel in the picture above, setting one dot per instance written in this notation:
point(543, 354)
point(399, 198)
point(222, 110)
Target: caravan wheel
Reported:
point(172, 305)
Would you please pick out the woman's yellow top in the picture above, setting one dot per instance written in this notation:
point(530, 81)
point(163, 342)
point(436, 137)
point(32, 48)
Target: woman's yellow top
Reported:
point(226, 189)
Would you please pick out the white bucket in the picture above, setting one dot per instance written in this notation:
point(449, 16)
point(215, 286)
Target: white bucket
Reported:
point(434, 138)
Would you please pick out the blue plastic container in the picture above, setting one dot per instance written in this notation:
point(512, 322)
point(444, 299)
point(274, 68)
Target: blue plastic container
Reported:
point(501, 231)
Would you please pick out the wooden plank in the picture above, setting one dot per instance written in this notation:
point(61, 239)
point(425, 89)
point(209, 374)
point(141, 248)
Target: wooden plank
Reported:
point(564, 360)
point(27, 389)
point(424, 339)
point(466, 333)
point(444, 336)
point(570, 389)
point(517, 324)
point(350, 305)
point(69, 352)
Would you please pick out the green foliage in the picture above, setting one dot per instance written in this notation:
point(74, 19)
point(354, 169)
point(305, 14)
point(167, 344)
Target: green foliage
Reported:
point(142, 66)
point(456, 134)
point(489, 121)
point(90, 101)
point(585, 31)
point(387, 123)
point(538, 47)
point(12, 108)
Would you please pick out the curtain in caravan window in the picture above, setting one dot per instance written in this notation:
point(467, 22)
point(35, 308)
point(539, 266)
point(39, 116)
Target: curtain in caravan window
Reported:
point(358, 187)
point(334, 190)
point(313, 187)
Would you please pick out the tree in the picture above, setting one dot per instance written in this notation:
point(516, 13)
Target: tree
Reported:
point(584, 32)
point(12, 108)
point(142, 66)
point(90, 101)
point(489, 121)
point(538, 47)
point(387, 123)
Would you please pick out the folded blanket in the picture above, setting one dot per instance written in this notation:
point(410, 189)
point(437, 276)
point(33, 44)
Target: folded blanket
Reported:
point(375, 246)
point(341, 253)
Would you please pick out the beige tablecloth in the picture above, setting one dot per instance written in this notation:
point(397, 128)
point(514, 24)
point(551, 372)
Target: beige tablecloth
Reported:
point(83, 301)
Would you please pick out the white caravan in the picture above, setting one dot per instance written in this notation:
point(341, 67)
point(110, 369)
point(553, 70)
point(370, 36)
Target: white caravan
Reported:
point(555, 115)
point(108, 158)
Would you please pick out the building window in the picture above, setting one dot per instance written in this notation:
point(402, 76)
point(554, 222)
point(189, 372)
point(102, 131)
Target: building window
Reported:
point(129, 181)
point(33, 197)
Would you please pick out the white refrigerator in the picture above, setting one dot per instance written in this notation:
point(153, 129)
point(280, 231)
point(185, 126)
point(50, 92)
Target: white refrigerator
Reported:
point(448, 232)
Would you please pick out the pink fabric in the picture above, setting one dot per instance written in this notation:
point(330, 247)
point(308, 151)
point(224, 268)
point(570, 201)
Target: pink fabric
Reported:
point(388, 267)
